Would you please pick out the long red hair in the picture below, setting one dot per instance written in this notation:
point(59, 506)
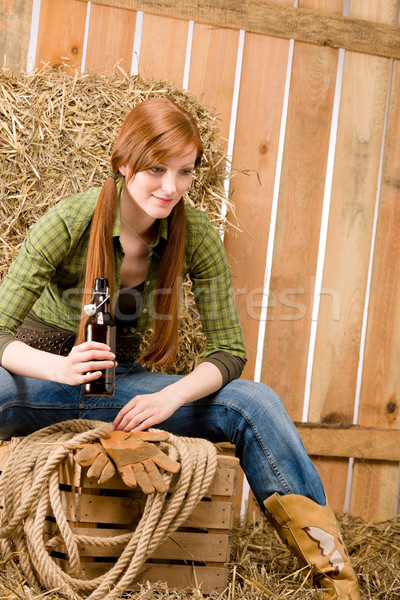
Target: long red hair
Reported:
point(153, 131)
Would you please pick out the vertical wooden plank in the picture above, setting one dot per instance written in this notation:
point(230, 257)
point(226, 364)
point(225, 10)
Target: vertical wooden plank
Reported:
point(349, 236)
point(355, 177)
point(299, 216)
point(333, 472)
point(227, 449)
point(374, 489)
point(61, 33)
point(15, 23)
point(255, 151)
point(163, 48)
point(212, 69)
point(110, 40)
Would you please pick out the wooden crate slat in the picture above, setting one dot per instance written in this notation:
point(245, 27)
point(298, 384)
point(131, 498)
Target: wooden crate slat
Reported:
point(211, 579)
point(200, 547)
point(215, 515)
point(223, 484)
point(225, 478)
point(86, 508)
point(228, 450)
point(180, 545)
point(102, 509)
point(70, 473)
point(301, 24)
point(208, 578)
point(5, 450)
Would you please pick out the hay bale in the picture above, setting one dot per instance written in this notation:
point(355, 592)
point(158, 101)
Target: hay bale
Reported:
point(57, 131)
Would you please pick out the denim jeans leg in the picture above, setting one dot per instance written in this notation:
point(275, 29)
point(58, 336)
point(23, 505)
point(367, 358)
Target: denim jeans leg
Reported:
point(252, 417)
point(28, 404)
point(247, 414)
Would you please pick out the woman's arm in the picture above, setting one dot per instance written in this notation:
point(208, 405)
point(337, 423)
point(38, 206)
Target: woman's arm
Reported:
point(147, 410)
point(76, 368)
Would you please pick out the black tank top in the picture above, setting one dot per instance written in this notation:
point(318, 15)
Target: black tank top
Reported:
point(127, 307)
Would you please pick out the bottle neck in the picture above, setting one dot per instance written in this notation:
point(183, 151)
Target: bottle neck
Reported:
point(102, 302)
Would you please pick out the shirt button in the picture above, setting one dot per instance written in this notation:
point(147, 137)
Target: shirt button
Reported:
point(124, 330)
point(145, 310)
point(147, 282)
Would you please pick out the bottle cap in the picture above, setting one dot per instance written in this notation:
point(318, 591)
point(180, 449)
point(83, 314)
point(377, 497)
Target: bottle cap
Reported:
point(90, 309)
point(101, 285)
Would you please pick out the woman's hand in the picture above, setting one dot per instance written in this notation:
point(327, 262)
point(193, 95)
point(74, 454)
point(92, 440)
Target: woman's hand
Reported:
point(147, 410)
point(84, 362)
point(81, 365)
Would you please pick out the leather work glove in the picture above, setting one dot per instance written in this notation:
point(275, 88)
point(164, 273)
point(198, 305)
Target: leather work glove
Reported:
point(93, 456)
point(134, 457)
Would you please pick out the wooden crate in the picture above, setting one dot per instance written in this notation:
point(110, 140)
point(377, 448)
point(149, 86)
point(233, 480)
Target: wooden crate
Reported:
point(5, 449)
point(193, 555)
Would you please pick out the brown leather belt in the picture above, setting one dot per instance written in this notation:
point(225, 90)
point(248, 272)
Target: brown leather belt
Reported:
point(60, 342)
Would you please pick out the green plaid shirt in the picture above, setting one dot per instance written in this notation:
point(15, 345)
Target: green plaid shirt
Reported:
point(47, 274)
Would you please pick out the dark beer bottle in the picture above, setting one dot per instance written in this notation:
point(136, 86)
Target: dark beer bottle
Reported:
point(100, 327)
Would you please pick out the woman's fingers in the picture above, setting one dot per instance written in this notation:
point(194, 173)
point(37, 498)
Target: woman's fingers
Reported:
point(88, 352)
point(120, 416)
point(92, 351)
point(91, 346)
point(96, 364)
point(145, 410)
point(88, 360)
point(91, 376)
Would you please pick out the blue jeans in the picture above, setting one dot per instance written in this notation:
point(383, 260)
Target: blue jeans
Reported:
point(246, 414)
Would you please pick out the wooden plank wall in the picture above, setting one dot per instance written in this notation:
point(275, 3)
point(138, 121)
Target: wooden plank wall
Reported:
point(317, 131)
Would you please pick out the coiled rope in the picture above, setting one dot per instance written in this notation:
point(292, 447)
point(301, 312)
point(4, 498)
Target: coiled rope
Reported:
point(30, 484)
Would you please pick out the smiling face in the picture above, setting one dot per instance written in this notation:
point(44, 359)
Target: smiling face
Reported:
point(155, 191)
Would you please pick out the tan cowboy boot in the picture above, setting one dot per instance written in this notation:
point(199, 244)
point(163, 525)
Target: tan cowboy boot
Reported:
point(312, 534)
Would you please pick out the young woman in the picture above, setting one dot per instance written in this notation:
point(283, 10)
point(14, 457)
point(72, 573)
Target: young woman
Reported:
point(137, 232)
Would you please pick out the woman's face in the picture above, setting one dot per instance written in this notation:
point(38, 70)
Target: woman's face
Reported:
point(157, 190)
